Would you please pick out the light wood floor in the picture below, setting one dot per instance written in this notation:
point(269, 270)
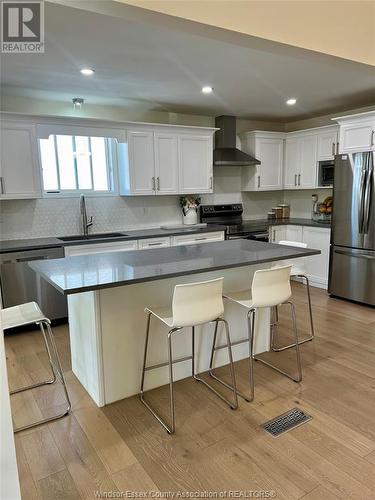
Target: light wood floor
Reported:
point(122, 448)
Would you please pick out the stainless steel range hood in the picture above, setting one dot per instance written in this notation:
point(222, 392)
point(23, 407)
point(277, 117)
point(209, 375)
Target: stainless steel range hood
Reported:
point(225, 152)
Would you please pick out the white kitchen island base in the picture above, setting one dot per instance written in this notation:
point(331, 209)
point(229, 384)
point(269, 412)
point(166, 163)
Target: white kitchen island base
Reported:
point(108, 327)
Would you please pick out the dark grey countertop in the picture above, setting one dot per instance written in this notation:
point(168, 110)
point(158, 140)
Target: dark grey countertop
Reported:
point(38, 243)
point(299, 222)
point(108, 270)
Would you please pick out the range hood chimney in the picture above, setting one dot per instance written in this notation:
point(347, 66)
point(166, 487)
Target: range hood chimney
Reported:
point(225, 152)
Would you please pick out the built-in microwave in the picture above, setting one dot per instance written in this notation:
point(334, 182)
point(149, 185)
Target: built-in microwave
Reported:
point(326, 173)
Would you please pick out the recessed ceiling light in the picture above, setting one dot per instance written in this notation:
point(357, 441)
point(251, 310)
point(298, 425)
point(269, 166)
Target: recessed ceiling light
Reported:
point(87, 71)
point(207, 90)
point(291, 101)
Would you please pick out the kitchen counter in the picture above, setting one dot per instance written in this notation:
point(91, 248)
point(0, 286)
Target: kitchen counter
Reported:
point(92, 272)
point(293, 221)
point(108, 293)
point(40, 243)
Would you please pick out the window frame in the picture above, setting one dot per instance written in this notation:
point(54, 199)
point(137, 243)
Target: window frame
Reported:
point(112, 173)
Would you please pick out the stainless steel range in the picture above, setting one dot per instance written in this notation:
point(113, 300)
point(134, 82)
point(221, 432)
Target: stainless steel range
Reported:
point(230, 215)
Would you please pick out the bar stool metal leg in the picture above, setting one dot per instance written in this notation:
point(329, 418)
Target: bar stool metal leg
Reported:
point(296, 345)
point(56, 367)
point(311, 337)
point(232, 387)
point(45, 382)
point(251, 323)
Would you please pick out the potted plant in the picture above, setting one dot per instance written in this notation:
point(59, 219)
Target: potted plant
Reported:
point(189, 206)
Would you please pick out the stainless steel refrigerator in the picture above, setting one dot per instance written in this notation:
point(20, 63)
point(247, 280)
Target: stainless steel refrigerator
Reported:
point(352, 256)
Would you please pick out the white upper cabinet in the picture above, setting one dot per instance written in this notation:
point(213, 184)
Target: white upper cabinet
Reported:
point(166, 163)
point(19, 166)
point(268, 148)
point(357, 133)
point(166, 160)
point(308, 162)
point(141, 162)
point(196, 163)
point(327, 143)
point(300, 161)
point(291, 166)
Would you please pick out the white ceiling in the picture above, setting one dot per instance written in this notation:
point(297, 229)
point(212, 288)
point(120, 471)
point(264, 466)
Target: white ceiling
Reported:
point(155, 67)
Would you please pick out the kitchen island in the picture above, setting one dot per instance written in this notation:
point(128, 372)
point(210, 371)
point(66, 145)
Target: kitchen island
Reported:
point(107, 295)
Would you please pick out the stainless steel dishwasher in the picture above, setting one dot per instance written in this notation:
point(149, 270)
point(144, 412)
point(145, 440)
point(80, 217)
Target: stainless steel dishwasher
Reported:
point(20, 284)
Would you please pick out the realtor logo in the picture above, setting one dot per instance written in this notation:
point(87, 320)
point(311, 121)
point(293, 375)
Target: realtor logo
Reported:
point(22, 27)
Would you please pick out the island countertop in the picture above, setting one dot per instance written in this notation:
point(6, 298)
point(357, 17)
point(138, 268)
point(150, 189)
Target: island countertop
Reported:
point(92, 272)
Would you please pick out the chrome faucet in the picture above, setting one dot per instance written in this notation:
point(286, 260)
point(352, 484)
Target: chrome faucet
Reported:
point(85, 224)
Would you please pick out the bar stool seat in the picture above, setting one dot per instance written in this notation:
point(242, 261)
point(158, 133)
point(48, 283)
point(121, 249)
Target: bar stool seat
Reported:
point(269, 288)
point(193, 304)
point(27, 314)
point(24, 314)
point(164, 314)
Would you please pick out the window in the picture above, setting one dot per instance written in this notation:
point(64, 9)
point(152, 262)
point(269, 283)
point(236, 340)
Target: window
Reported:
point(73, 164)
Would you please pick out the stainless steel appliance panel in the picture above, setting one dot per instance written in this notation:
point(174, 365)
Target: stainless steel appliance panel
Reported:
point(353, 214)
point(20, 284)
point(352, 274)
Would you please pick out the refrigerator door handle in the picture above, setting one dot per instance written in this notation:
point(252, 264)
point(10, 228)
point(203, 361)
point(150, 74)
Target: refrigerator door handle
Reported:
point(360, 201)
point(353, 254)
point(367, 201)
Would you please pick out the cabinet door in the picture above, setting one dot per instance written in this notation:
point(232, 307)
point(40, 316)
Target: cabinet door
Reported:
point(195, 163)
point(87, 249)
point(307, 162)
point(317, 265)
point(277, 233)
point(293, 233)
point(291, 167)
point(20, 177)
point(166, 163)
point(141, 162)
point(327, 141)
point(149, 243)
point(196, 239)
point(270, 152)
point(357, 137)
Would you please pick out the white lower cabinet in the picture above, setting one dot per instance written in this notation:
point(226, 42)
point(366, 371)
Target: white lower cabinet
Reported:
point(195, 239)
point(277, 233)
point(315, 237)
point(91, 248)
point(317, 266)
point(154, 243)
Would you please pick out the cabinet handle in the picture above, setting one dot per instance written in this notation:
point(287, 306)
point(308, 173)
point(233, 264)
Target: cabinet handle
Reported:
point(2, 185)
point(153, 183)
point(211, 182)
point(158, 183)
point(337, 148)
point(372, 137)
point(154, 244)
point(299, 179)
point(295, 179)
point(333, 148)
point(258, 181)
point(274, 235)
point(200, 239)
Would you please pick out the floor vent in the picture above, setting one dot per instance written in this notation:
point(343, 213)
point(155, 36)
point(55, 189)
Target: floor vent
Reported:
point(286, 422)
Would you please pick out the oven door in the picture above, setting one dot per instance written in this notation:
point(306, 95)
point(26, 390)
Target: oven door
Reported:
point(263, 236)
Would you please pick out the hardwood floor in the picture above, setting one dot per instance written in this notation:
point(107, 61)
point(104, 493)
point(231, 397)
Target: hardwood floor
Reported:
point(122, 448)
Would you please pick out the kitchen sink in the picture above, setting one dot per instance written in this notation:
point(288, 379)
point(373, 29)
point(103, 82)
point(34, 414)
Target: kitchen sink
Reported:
point(97, 236)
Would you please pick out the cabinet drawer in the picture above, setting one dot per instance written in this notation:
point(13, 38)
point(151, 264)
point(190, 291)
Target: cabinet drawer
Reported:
point(196, 239)
point(153, 243)
point(87, 249)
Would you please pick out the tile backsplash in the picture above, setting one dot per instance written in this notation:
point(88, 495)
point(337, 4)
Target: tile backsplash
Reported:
point(61, 216)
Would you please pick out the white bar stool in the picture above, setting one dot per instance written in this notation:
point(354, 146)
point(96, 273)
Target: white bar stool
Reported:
point(28, 314)
point(193, 304)
point(269, 288)
point(298, 271)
